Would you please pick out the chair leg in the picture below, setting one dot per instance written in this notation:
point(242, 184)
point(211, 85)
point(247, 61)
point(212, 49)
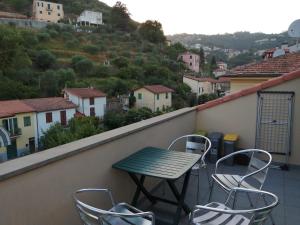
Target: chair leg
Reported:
point(270, 215)
point(164, 188)
point(198, 187)
point(211, 190)
point(208, 177)
point(234, 199)
point(250, 200)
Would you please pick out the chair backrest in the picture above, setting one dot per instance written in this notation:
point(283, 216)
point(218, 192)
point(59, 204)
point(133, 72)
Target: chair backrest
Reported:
point(256, 164)
point(194, 143)
point(260, 215)
point(220, 212)
point(120, 214)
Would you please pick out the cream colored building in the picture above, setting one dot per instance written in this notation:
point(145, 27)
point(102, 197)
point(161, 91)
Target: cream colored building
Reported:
point(19, 120)
point(154, 97)
point(199, 85)
point(47, 11)
point(249, 75)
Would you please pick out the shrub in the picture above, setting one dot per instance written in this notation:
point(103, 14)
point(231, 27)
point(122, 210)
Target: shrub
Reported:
point(91, 49)
point(43, 36)
point(45, 59)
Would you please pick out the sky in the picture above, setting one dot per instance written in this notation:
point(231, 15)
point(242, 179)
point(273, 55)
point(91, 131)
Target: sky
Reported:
point(215, 16)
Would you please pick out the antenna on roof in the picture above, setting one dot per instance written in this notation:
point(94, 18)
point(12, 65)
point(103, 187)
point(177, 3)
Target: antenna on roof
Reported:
point(294, 30)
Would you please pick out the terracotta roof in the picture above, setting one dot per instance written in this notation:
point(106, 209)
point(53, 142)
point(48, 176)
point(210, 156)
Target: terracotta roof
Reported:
point(49, 104)
point(207, 79)
point(248, 91)
point(156, 89)
point(13, 107)
point(268, 68)
point(85, 92)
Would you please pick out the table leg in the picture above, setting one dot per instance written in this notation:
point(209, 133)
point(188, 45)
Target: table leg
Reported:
point(180, 197)
point(140, 188)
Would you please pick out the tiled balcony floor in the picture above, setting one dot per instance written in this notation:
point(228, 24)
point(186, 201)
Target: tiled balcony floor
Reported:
point(285, 184)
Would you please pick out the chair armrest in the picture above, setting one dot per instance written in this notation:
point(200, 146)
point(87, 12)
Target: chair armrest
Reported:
point(255, 172)
point(95, 190)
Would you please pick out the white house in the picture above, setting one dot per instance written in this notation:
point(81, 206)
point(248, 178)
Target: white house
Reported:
point(50, 111)
point(89, 101)
point(89, 18)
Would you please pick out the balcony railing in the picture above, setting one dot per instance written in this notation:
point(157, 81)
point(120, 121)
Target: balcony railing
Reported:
point(15, 133)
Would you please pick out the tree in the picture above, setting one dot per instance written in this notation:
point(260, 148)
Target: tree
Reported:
point(213, 65)
point(10, 46)
point(45, 59)
point(82, 65)
point(77, 128)
point(202, 59)
point(120, 17)
point(152, 31)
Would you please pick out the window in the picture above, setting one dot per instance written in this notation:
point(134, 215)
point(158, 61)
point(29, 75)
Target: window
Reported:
point(157, 96)
point(42, 4)
point(139, 95)
point(58, 14)
point(10, 125)
point(191, 56)
point(191, 64)
point(49, 6)
point(92, 111)
point(27, 121)
point(41, 12)
point(38, 4)
point(49, 13)
point(92, 101)
point(49, 117)
point(58, 7)
point(167, 95)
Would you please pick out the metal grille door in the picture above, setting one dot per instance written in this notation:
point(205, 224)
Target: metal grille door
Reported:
point(274, 122)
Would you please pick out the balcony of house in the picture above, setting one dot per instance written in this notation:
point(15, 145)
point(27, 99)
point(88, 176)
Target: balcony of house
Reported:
point(15, 133)
point(37, 189)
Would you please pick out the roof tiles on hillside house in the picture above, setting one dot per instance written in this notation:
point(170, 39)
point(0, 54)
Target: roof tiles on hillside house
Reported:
point(157, 89)
point(268, 68)
point(208, 79)
point(85, 92)
point(248, 91)
point(49, 104)
point(12, 107)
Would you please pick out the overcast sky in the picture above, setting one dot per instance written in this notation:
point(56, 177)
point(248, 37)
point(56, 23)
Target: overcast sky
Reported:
point(215, 16)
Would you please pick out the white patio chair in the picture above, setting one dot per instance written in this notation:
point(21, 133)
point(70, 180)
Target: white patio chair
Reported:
point(253, 179)
point(196, 144)
point(119, 214)
point(216, 213)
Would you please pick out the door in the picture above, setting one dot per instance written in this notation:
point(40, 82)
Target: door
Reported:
point(92, 111)
point(63, 118)
point(31, 145)
point(12, 152)
point(274, 122)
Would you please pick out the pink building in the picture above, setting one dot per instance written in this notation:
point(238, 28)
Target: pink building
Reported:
point(191, 60)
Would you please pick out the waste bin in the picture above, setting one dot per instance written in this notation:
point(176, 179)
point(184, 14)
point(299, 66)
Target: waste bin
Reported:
point(216, 144)
point(230, 141)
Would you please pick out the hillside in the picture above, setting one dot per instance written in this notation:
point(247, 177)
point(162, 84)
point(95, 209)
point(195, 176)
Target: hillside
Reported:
point(239, 40)
point(42, 62)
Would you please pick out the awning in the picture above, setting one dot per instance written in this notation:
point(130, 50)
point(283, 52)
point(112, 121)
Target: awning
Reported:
point(4, 138)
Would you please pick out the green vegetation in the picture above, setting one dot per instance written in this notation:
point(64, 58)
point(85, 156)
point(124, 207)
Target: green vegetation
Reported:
point(77, 128)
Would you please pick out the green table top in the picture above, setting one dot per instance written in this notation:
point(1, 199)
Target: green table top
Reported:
point(160, 163)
